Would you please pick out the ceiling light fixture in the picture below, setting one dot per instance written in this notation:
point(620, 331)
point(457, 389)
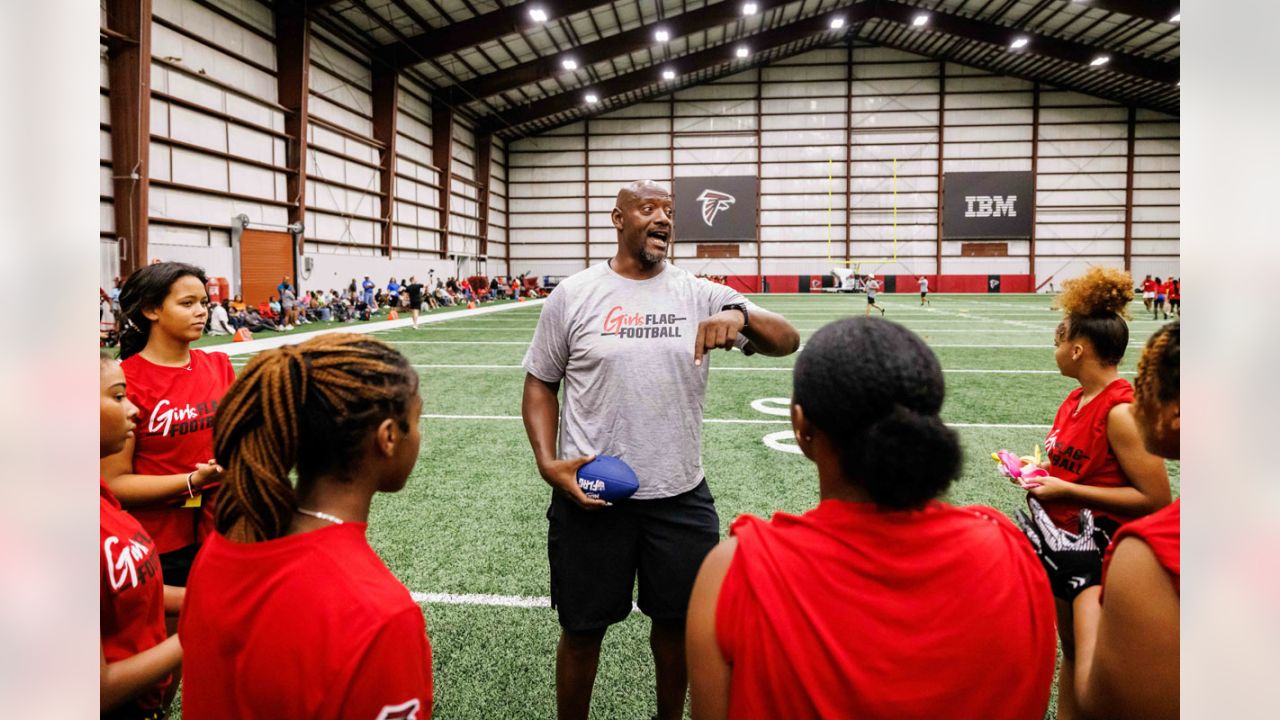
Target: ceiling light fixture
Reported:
point(537, 14)
point(1100, 60)
point(920, 20)
point(742, 51)
point(837, 23)
point(662, 36)
point(569, 64)
point(1018, 43)
point(1177, 17)
point(750, 8)
point(592, 98)
point(668, 74)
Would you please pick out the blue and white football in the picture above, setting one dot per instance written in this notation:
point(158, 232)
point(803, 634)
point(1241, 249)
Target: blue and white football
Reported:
point(607, 478)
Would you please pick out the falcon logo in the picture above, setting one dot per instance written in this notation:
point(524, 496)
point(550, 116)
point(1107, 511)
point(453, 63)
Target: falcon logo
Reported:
point(404, 711)
point(713, 202)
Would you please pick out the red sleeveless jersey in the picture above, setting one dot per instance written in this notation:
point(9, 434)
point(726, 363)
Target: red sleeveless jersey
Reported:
point(1162, 532)
point(304, 626)
point(176, 407)
point(848, 611)
point(1078, 448)
point(131, 590)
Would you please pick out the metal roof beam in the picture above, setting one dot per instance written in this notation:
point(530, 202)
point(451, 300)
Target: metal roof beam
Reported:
point(603, 49)
point(1040, 44)
point(684, 65)
point(1158, 10)
point(477, 30)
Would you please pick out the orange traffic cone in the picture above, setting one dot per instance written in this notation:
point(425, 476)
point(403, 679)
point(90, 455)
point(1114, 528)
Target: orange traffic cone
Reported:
point(242, 335)
point(520, 300)
point(471, 305)
point(393, 315)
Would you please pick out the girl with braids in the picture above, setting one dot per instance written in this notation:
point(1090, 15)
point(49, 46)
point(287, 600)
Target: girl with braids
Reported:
point(1097, 463)
point(165, 476)
point(882, 602)
point(1126, 642)
point(290, 613)
point(138, 663)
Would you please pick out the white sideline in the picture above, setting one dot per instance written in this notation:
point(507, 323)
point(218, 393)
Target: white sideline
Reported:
point(734, 421)
point(253, 346)
point(479, 599)
point(975, 371)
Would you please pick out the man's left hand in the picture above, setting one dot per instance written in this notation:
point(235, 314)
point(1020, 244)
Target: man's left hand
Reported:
point(718, 331)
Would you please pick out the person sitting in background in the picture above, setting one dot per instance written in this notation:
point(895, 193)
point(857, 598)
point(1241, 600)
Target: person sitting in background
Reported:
point(237, 304)
point(1127, 601)
point(883, 601)
point(515, 288)
point(442, 295)
point(496, 289)
point(219, 321)
point(235, 317)
point(274, 311)
point(256, 322)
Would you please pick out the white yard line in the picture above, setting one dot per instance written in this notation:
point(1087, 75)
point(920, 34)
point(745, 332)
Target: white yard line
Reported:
point(253, 346)
point(732, 421)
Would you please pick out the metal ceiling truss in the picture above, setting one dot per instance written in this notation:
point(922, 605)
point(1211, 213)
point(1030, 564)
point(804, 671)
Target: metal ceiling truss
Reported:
point(1062, 48)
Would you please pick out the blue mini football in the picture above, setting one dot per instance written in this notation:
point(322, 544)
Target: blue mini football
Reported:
point(607, 478)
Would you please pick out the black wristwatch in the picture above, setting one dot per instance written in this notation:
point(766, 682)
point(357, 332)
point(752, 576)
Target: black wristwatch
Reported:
point(741, 307)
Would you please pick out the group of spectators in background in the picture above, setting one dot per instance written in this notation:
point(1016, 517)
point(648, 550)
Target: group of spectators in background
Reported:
point(358, 301)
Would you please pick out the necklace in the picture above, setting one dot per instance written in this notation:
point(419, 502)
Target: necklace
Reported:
point(321, 515)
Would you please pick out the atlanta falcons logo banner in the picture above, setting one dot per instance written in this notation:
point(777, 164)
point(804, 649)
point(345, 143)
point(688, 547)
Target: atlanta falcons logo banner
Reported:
point(716, 208)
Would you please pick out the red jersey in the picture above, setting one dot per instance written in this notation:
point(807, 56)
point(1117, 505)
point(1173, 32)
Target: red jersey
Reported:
point(1078, 448)
point(1148, 285)
point(305, 626)
point(131, 590)
point(1175, 291)
point(850, 611)
point(176, 407)
point(1162, 532)
point(1163, 288)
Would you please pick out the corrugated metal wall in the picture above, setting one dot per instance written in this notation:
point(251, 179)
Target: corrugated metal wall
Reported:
point(840, 137)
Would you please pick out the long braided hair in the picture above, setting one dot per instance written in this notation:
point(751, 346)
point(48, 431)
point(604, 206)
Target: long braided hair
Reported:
point(144, 290)
point(307, 406)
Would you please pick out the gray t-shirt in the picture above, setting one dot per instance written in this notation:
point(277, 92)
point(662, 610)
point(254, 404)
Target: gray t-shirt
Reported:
point(624, 349)
point(872, 287)
point(924, 284)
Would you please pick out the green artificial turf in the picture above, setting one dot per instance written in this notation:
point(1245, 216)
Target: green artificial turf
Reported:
point(472, 516)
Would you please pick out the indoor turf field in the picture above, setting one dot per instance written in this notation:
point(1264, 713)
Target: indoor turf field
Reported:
point(467, 535)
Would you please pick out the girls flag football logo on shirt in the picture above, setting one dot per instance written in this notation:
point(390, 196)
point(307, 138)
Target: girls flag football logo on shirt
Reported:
point(713, 201)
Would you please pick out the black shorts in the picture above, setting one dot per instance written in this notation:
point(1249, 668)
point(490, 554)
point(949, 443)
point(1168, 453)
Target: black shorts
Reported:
point(923, 293)
point(871, 299)
point(1174, 302)
point(415, 304)
point(176, 565)
point(596, 556)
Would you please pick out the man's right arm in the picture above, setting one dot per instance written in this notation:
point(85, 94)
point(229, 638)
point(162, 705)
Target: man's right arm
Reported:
point(540, 409)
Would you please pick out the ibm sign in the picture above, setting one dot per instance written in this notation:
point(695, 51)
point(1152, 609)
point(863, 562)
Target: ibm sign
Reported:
point(987, 205)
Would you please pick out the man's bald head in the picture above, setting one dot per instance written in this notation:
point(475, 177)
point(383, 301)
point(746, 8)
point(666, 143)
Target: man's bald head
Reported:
point(640, 189)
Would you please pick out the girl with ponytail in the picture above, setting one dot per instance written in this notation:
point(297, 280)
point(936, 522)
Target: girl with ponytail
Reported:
point(1100, 475)
point(882, 602)
point(166, 476)
point(289, 612)
point(1125, 618)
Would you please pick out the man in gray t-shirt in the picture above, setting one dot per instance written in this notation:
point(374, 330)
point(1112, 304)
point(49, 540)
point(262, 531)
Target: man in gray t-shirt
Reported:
point(628, 337)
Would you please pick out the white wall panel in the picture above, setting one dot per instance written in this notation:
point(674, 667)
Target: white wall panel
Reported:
point(809, 114)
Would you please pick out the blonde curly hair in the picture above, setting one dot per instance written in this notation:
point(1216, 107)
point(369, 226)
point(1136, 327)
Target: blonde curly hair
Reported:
point(1099, 292)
